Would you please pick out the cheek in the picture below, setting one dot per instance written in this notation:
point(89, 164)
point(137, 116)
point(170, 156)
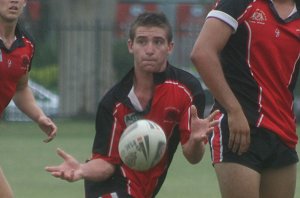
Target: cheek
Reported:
point(163, 54)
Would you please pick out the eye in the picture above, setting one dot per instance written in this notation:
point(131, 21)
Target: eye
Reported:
point(159, 42)
point(141, 41)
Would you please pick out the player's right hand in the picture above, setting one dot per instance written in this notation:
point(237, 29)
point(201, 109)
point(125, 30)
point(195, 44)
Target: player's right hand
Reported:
point(239, 132)
point(69, 170)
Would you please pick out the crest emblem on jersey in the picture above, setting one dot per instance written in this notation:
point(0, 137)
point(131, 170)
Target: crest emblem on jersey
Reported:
point(25, 62)
point(258, 17)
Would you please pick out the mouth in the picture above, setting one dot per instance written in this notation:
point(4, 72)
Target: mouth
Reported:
point(13, 8)
point(149, 60)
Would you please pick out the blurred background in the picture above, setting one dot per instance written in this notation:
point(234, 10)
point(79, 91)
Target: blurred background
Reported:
point(81, 49)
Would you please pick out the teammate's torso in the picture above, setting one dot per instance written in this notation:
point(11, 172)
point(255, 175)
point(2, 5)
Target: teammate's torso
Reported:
point(261, 64)
point(14, 63)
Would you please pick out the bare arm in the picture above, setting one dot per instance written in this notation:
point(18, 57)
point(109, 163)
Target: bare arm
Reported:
point(25, 101)
point(71, 170)
point(194, 149)
point(205, 56)
point(5, 189)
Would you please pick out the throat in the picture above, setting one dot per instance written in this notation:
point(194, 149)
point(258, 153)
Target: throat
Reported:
point(285, 8)
point(8, 42)
point(140, 98)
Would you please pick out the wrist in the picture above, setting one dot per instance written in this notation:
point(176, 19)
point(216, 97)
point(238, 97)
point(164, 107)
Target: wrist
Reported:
point(80, 172)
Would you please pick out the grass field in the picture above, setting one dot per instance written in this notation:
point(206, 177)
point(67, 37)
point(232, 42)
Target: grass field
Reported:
point(24, 156)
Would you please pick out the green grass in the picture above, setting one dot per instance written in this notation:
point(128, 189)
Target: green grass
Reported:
point(24, 156)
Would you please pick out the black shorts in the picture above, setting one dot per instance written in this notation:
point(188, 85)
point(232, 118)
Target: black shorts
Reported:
point(113, 187)
point(266, 149)
point(104, 189)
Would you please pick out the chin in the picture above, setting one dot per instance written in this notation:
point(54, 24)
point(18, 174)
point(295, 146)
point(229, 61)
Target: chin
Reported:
point(151, 68)
point(11, 18)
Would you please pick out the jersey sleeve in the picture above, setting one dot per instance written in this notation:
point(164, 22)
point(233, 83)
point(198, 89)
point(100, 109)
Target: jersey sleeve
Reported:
point(28, 39)
point(197, 98)
point(230, 11)
point(107, 136)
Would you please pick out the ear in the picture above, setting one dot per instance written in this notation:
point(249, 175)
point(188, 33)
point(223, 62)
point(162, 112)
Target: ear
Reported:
point(170, 47)
point(129, 45)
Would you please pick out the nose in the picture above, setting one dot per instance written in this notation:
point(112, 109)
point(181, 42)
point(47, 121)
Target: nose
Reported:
point(149, 48)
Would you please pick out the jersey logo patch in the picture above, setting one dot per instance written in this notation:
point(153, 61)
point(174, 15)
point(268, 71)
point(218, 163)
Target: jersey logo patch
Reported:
point(171, 114)
point(131, 118)
point(25, 62)
point(258, 17)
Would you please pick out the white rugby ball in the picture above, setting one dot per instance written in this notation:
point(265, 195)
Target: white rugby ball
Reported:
point(142, 145)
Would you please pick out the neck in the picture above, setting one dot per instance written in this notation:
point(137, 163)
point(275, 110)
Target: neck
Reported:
point(143, 88)
point(284, 7)
point(143, 81)
point(7, 30)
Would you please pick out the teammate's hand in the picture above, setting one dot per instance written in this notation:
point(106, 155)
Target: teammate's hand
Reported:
point(239, 132)
point(48, 127)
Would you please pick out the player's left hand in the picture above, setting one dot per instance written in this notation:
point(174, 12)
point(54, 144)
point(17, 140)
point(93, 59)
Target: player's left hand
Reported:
point(48, 126)
point(201, 128)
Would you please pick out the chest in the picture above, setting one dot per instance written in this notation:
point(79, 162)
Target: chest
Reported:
point(167, 107)
point(14, 64)
point(270, 36)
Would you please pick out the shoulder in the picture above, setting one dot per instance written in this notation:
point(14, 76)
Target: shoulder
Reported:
point(191, 84)
point(118, 92)
point(24, 33)
point(233, 7)
point(231, 11)
point(109, 98)
point(184, 77)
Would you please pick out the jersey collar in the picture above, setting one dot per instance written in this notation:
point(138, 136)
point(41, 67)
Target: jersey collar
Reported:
point(293, 16)
point(126, 84)
point(17, 43)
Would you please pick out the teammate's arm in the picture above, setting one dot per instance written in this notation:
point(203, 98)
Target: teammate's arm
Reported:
point(25, 101)
point(205, 56)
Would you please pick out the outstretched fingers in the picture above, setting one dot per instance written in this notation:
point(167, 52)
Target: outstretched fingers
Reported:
point(194, 113)
point(57, 171)
point(212, 121)
point(63, 154)
point(53, 169)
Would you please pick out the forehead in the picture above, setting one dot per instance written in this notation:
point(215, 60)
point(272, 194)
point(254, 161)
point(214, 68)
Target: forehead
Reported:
point(8, 1)
point(144, 31)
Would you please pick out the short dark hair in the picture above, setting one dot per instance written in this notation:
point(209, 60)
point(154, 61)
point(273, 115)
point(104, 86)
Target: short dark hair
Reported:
point(151, 19)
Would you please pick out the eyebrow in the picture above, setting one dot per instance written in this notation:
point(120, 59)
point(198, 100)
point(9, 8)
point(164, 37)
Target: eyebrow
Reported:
point(155, 37)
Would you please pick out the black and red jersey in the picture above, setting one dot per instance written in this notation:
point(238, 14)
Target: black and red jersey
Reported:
point(14, 63)
point(261, 62)
point(175, 92)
